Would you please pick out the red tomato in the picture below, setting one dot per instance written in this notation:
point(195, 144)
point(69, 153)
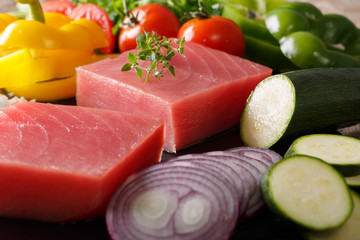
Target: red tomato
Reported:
point(215, 32)
point(151, 17)
point(59, 6)
point(98, 15)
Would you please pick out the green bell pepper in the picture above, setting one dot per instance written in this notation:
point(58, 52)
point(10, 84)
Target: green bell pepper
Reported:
point(260, 45)
point(266, 53)
point(310, 39)
point(260, 7)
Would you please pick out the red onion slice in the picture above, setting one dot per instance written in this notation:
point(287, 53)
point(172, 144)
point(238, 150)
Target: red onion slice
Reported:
point(247, 174)
point(257, 152)
point(194, 196)
point(227, 169)
point(173, 200)
point(256, 167)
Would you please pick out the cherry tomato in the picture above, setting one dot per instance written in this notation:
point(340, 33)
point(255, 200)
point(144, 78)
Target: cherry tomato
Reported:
point(59, 6)
point(97, 14)
point(215, 32)
point(151, 17)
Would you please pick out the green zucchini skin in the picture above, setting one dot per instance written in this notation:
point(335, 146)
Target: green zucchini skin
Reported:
point(273, 198)
point(325, 98)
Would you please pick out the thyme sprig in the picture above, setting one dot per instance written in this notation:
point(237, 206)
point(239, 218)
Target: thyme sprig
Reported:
point(159, 50)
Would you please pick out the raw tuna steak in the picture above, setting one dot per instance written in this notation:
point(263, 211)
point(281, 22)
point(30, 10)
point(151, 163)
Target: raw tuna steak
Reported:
point(206, 96)
point(63, 163)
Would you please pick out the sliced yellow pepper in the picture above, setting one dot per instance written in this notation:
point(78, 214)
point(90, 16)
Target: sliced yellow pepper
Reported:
point(53, 90)
point(5, 20)
point(84, 34)
point(4, 51)
point(38, 59)
point(47, 91)
point(28, 66)
point(56, 20)
point(98, 34)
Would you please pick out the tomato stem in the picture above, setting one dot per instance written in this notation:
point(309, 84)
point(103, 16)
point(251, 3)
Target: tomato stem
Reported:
point(202, 13)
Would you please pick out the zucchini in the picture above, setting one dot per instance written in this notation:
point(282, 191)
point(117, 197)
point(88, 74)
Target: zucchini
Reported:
point(342, 152)
point(286, 106)
point(350, 230)
point(353, 182)
point(306, 190)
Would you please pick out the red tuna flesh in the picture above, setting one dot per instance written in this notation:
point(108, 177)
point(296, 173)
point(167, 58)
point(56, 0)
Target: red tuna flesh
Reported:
point(63, 163)
point(206, 96)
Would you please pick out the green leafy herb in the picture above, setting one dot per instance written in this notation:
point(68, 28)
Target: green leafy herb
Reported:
point(158, 50)
point(115, 8)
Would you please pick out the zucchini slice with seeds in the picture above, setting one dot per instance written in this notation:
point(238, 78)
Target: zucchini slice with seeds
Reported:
point(350, 230)
point(307, 190)
point(342, 152)
point(287, 106)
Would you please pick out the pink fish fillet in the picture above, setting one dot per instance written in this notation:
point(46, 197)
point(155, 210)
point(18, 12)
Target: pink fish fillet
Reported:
point(206, 96)
point(63, 163)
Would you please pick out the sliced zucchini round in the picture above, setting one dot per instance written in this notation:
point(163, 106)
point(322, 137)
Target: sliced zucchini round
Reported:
point(350, 230)
point(307, 190)
point(353, 181)
point(342, 152)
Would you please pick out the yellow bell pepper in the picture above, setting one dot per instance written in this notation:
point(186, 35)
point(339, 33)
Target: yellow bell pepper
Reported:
point(53, 90)
point(78, 34)
point(27, 66)
point(38, 60)
point(56, 20)
point(5, 20)
point(4, 51)
point(49, 91)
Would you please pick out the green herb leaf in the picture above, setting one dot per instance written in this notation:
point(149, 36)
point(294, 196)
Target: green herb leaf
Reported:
point(126, 67)
point(153, 65)
point(131, 58)
point(158, 51)
point(170, 55)
point(140, 38)
point(171, 70)
point(139, 72)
